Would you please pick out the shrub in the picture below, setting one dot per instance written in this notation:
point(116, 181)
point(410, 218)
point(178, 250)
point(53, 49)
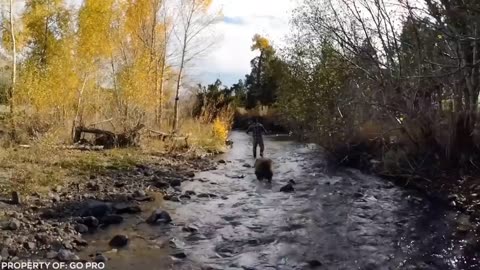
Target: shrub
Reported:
point(220, 129)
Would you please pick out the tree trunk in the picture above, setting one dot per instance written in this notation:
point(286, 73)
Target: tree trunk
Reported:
point(179, 83)
point(259, 71)
point(160, 95)
point(177, 91)
point(77, 121)
point(14, 70)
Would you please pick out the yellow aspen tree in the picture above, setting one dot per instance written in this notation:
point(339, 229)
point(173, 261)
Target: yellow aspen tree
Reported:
point(49, 80)
point(93, 51)
point(144, 74)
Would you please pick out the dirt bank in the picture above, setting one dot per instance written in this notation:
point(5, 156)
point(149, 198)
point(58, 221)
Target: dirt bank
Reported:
point(52, 225)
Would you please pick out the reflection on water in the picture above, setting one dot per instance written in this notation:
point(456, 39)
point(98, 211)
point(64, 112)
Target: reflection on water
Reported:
point(344, 220)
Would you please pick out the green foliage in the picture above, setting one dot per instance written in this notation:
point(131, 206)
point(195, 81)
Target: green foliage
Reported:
point(213, 101)
point(267, 70)
point(239, 91)
point(313, 99)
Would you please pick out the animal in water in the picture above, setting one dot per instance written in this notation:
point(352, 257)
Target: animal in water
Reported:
point(263, 169)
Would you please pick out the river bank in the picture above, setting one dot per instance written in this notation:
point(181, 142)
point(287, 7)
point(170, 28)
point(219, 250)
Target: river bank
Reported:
point(448, 188)
point(56, 222)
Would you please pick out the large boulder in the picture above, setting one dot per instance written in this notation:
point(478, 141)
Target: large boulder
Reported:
point(119, 240)
point(158, 217)
point(287, 188)
point(263, 169)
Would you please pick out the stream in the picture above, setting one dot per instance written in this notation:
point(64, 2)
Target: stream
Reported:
point(334, 220)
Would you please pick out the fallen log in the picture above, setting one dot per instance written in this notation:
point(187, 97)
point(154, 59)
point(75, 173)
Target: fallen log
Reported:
point(109, 139)
point(158, 134)
point(163, 136)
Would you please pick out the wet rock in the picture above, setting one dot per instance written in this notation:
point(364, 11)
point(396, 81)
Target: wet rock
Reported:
point(221, 161)
point(139, 193)
point(185, 197)
point(111, 220)
point(246, 165)
point(291, 181)
point(190, 174)
point(287, 188)
point(100, 258)
point(179, 255)
point(241, 176)
point(175, 183)
point(12, 225)
point(206, 195)
point(357, 195)
point(91, 222)
point(80, 242)
point(144, 199)
point(65, 255)
point(171, 197)
point(190, 229)
point(118, 241)
point(51, 255)
point(123, 208)
point(81, 228)
point(16, 198)
point(161, 184)
point(190, 193)
point(314, 263)
point(97, 209)
point(29, 245)
point(158, 217)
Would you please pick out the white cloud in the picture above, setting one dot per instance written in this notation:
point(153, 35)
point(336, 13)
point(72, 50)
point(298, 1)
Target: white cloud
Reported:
point(230, 58)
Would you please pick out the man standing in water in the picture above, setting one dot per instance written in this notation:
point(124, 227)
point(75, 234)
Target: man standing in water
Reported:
point(257, 129)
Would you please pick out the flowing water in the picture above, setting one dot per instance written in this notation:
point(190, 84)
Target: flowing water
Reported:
point(341, 220)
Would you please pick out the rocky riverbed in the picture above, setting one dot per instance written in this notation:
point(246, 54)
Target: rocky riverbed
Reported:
point(57, 225)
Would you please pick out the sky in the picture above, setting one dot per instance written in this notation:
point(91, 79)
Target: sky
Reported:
point(229, 59)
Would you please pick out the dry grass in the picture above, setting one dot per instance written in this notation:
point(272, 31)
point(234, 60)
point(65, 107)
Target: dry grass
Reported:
point(40, 167)
point(207, 137)
point(44, 165)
